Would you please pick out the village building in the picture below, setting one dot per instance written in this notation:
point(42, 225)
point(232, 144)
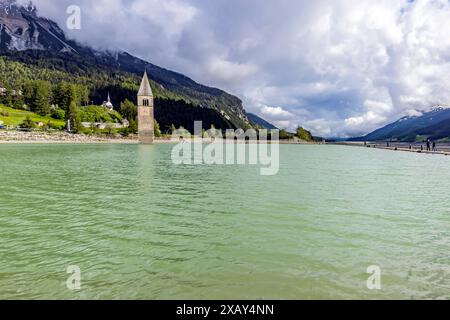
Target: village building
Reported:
point(103, 125)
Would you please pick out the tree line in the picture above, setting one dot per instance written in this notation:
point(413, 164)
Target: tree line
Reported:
point(61, 101)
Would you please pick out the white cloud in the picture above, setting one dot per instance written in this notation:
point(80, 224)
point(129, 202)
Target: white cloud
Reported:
point(369, 119)
point(160, 12)
point(276, 113)
point(283, 124)
point(320, 127)
point(227, 72)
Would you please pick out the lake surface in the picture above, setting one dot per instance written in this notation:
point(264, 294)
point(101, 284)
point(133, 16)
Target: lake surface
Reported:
point(140, 227)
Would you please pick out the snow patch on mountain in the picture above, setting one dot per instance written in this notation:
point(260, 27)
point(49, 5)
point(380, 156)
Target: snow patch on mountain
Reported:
point(23, 29)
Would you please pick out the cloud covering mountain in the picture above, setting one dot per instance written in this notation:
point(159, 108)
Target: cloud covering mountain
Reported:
point(337, 67)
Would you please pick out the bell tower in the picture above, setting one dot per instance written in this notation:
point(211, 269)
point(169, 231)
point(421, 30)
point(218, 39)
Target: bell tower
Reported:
point(145, 112)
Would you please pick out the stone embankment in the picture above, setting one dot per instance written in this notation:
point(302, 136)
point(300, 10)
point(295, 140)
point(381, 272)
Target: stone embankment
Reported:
point(58, 137)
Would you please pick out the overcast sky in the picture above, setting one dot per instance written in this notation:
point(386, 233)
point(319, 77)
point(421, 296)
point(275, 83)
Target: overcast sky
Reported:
point(337, 67)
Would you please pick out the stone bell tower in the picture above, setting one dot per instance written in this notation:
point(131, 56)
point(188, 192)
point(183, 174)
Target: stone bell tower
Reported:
point(145, 112)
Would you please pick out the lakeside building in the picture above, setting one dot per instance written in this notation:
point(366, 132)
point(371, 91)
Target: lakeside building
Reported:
point(103, 125)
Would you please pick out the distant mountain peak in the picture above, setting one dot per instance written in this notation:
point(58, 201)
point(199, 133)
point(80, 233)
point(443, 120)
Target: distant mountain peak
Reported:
point(31, 8)
point(433, 124)
point(11, 7)
point(22, 29)
point(438, 108)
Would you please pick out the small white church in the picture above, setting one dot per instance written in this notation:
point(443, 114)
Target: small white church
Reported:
point(107, 104)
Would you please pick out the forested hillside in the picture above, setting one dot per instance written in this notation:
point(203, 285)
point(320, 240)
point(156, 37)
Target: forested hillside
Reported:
point(49, 90)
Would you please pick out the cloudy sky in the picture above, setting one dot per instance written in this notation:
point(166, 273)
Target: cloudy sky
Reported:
point(337, 67)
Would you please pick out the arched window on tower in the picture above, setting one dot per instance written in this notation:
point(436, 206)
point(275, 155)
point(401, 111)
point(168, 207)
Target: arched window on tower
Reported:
point(146, 103)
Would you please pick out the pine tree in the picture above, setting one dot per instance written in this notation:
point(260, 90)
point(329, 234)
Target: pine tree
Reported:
point(40, 103)
point(65, 94)
point(73, 115)
point(82, 95)
point(304, 134)
point(128, 110)
point(28, 93)
point(28, 123)
point(18, 101)
point(133, 128)
point(157, 130)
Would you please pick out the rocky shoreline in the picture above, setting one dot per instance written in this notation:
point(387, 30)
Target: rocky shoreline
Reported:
point(22, 137)
point(59, 137)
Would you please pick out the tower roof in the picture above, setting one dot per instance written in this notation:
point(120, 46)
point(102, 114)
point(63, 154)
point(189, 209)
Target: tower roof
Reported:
point(145, 89)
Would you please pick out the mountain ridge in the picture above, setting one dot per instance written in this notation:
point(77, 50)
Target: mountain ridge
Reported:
point(433, 124)
point(258, 121)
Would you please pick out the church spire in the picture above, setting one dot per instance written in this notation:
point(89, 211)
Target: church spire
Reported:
point(145, 89)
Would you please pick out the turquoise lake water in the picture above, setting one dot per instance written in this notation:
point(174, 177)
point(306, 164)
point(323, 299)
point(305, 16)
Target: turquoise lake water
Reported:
point(140, 227)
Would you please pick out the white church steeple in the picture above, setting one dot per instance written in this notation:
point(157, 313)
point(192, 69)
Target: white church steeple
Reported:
point(107, 104)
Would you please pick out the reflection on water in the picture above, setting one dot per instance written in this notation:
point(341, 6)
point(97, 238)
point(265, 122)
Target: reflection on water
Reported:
point(140, 227)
